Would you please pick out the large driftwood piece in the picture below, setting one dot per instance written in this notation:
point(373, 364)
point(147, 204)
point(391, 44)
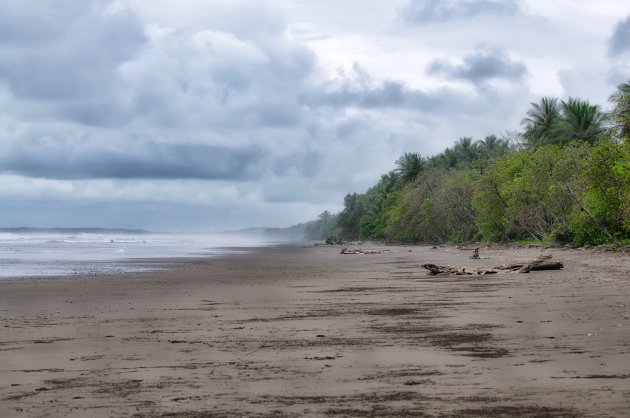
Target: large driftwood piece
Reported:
point(541, 263)
point(345, 250)
point(456, 271)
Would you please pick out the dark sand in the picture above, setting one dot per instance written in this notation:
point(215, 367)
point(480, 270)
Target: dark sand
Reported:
point(306, 331)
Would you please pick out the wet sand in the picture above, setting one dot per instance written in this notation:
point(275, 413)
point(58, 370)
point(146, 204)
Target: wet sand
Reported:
point(305, 331)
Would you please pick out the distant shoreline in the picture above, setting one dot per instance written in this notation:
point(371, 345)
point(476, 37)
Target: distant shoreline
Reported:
point(34, 230)
point(33, 252)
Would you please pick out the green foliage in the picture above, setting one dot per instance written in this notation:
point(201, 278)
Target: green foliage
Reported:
point(349, 218)
point(448, 159)
point(491, 148)
point(541, 122)
point(569, 184)
point(325, 226)
point(581, 121)
point(555, 122)
point(620, 114)
point(410, 165)
point(605, 196)
point(411, 217)
point(490, 198)
point(466, 150)
point(525, 195)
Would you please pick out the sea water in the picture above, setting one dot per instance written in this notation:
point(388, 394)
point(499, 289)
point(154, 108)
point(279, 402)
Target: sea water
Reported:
point(33, 254)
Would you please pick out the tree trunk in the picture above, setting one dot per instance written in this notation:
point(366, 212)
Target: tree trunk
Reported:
point(541, 263)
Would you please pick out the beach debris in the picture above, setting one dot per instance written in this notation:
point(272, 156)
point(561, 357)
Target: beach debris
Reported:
point(475, 254)
point(345, 250)
point(457, 271)
point(544, 262)
point(463, 247)
point(336, 356)
point(413, 382)
point(334, 240)
point(375, 251)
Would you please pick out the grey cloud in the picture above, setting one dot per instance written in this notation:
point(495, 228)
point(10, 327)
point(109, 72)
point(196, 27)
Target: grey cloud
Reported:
point(25, 23)
point(235, 103)
point(618, 74)
point(145, 215)
point(219, 81)
point(100, 71)
point(304, 163)
point(81, 62)
point(156, 216)
point(99, 112)
point(480, 66)
point(251, 19)
point(387, 95)
point(390, 95)
point(139, 160)
point(61, 59)
point(290, 190)
point(619, 42)
point(65, 50)
point(433, 11)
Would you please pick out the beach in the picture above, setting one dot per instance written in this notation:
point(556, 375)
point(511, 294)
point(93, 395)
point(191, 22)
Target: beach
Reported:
point(306, 331)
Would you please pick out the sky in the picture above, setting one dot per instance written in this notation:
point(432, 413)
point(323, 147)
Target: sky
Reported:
point(206, 115)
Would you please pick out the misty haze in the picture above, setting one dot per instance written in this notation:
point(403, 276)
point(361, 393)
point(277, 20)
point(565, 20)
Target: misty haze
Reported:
point(286, 208)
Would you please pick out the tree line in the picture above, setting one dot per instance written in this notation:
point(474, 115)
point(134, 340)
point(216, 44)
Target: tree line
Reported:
point(564, 178)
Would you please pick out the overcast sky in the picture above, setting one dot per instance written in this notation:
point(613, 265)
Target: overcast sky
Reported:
point(219, 114)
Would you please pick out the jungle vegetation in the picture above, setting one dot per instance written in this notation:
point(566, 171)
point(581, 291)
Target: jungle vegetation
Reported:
point(564, 178)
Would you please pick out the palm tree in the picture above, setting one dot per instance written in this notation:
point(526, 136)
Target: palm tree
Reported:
point(448, 158)
point(410, 165)
point(386, 184)
point(580, 121)
point(491, 147)
point(620, 115)
point(541, 122)
point(466, 149)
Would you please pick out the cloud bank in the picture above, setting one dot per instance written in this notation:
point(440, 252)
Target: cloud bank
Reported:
point(436, 11)
point(193, 115)
point(480, 67)
point(620, 39)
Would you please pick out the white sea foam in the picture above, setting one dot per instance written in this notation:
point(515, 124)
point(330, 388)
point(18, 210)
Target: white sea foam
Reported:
point(52, 254)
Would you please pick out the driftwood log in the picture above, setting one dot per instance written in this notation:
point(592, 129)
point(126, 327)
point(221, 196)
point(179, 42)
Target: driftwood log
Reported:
point(456, 271)
point(544, 262)
point(345, 250)
point(541, 263)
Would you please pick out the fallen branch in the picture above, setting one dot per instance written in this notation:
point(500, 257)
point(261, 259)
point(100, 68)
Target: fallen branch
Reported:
point(457, 271)
point(345, 250)
point(541, 263)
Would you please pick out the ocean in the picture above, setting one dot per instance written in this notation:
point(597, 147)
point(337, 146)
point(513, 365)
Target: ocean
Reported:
point(46, 253)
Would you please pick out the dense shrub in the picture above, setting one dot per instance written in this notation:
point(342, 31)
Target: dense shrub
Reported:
point(566, 180)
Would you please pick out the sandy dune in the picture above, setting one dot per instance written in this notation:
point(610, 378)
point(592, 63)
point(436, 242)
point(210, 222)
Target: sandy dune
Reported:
point(306, 331)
